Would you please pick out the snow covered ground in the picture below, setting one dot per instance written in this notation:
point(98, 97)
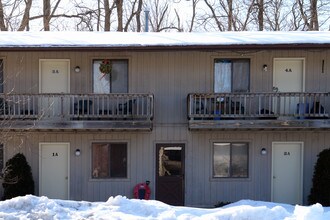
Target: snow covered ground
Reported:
point(33, 207)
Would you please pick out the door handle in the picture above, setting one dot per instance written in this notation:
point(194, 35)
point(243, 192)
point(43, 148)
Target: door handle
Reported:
point(275, 89)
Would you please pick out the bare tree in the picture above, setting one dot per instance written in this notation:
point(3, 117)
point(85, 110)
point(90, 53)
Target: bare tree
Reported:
point(134, 12)
point(309, 14)
point(26, 16)
point(192, 21)
point(2, 18)
point(260, 4)
point(119, 4)
point(160, 16)
point(210, 15)
point(314, 21)
point(214, 15)
point(230, 15)
point(11, 13)
point(107, 14)
point(281, 15)
point(138, 16)
point(46, 15)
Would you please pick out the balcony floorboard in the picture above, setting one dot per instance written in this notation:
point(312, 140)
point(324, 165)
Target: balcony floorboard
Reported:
point(257, 124)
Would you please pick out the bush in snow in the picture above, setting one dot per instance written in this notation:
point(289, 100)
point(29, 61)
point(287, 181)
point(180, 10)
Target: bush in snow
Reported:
point(17, 178)
point(320, 192)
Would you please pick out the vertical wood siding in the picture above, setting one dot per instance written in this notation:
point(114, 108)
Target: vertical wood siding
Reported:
point(170, 76)
point(201, 188)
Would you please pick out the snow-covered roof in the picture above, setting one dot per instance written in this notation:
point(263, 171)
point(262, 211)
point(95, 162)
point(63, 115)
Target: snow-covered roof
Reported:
point(143, 40)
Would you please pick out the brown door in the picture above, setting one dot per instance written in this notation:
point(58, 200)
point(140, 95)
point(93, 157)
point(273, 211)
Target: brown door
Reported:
point(170, 173)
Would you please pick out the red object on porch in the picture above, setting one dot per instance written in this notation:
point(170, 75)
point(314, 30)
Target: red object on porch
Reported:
point(142, 191)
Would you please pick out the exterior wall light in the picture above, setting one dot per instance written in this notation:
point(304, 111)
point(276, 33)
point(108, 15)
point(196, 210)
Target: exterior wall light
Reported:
point(265, 68)
point(77, 69)
point(77, 152)
point(263, 151)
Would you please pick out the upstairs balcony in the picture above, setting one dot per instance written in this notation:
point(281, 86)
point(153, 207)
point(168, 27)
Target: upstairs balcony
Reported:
point(72, 112)
point(258, 110)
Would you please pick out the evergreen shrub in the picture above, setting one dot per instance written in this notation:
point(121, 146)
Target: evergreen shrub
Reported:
point(320, 191)
point(17, 178)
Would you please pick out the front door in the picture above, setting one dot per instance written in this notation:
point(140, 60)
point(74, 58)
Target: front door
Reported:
point(170, 173)
point(54, 170)
point(287, 166)
point(288, 77)
point(54, 77)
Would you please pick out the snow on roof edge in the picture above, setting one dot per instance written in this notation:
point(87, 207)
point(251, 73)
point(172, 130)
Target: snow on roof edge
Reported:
point(159, 39)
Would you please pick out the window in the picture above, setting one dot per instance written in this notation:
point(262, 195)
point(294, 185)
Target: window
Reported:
point(116, 82)
point(109, 160)
point(231, 75)
point(230, 160)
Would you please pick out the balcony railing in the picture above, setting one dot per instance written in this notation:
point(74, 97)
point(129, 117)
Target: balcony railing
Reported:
point(68, 107)
point(247, 107)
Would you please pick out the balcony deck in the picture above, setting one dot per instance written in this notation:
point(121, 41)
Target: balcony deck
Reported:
point(72, 112)
point(258, 111)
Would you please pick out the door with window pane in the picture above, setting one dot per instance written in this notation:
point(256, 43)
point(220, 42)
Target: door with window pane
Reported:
point(231, 75)
point(170, 173)
point(115, 82)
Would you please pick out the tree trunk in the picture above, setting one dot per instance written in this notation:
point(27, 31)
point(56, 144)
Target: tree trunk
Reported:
point(46, 17)
point(138, 16)
point(261, 15)
point(119, 4)
point(314, 22)
point(106, 15)
point(26, 16)
point(2, 19)
point(230, 15)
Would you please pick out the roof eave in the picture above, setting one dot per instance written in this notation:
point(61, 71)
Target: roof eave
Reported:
point(163, 47)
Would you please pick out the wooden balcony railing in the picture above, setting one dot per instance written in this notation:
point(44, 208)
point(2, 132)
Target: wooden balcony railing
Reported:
point(247, 107)
point(68, 107)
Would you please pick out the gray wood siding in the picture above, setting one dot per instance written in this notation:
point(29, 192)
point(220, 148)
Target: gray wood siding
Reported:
point(201, 188)
point(170, 76)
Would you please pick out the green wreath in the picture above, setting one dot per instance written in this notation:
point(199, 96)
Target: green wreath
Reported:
point(105, 67)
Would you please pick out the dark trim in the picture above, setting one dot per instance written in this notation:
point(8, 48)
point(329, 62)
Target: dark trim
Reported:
point(167, 47)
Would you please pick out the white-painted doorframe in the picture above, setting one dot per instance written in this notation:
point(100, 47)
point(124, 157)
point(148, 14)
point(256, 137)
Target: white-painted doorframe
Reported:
point(54, 78)
point(299, 187)
point(54, 71)
point(275, 70)
point(52, 169)
point(288, 76)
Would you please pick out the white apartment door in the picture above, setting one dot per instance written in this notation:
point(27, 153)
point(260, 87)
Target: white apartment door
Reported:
point(288, 77)
point(54, 170)
point(287, 167)
point(54, 77)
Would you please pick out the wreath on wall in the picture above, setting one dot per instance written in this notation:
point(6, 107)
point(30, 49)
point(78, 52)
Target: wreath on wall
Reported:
point(105, 66)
